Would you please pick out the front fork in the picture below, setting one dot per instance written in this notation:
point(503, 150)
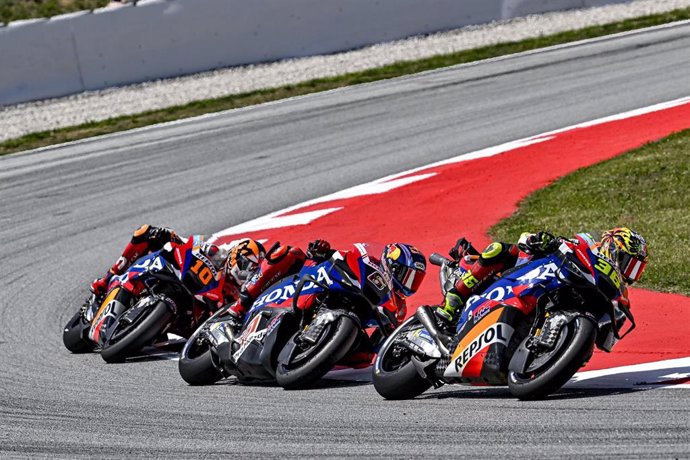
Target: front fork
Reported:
point(542, 339)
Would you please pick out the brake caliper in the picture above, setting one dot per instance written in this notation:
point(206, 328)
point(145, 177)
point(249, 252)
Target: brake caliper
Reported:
point(547, 335)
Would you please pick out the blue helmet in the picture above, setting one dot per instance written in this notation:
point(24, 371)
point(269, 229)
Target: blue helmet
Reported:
point(406, 265)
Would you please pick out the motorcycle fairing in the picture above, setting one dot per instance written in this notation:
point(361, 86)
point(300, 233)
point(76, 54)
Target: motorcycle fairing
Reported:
point(111, 308)
point(337, 274)
point(420, 342)
point(254, 352)
point(480, 355)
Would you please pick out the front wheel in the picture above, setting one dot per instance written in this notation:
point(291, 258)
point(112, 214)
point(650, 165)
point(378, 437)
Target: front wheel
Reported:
point(395, 376)
point(74, 335)
point(128, 338)
point(309, 363)
point(548, 371)
point(196, 363)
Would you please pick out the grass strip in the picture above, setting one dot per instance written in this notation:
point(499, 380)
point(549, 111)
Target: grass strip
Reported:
point(398, 69)
point(645, 189)
point(14, 10)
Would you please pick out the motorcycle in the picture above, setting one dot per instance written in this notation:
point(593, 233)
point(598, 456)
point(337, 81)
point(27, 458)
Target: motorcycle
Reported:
point(150, 299)
point(531, 328)
point(298, 329)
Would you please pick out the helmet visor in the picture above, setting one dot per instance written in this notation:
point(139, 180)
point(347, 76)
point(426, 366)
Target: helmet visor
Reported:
point(631, 267)
point(408, 278)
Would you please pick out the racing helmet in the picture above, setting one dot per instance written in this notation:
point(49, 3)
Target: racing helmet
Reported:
point(406, 265)
point(243, 259)
point(627, 249)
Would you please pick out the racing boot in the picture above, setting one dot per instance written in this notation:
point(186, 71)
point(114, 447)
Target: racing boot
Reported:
point(100, 285)
point(447, 314)
point(236, 315)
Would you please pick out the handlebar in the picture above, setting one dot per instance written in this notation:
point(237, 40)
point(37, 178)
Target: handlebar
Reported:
point(437, 259)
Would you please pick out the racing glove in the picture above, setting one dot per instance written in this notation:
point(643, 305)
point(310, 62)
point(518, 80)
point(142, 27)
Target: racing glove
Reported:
point(462, 247)
point(319, 250)
point(537, 243)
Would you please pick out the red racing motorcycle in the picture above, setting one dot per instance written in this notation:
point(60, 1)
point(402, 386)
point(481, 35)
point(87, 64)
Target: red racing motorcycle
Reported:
point(165, 291)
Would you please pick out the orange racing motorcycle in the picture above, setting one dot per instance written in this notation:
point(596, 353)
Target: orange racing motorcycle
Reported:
point(531, 328)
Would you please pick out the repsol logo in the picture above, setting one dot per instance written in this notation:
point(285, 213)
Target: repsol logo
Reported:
point(496, 333)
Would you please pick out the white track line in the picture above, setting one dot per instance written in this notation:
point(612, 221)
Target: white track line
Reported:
point(274, 220)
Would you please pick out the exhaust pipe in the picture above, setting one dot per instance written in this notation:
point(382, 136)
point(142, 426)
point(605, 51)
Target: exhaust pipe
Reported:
point(426, 317)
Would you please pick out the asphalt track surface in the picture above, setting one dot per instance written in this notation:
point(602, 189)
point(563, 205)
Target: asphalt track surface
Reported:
point(67, 211)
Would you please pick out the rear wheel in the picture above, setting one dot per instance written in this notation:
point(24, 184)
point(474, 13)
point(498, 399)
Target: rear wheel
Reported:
point(395, 376)
point(548, 371)
point(74, 335)
point(128, 338)
point(309, 363)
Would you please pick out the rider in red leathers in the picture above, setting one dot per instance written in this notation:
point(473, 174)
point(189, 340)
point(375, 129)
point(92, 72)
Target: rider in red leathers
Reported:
point(237, 264)
point(405, 264)
point(626, 248)
point(146, 239)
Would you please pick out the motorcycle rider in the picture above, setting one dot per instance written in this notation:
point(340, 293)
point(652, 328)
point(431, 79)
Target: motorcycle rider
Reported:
point(403, 263)
point(236, 264)
point(624, 247)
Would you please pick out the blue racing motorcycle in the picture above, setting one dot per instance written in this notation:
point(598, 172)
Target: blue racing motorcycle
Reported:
point(531, 328)
point(298, 329)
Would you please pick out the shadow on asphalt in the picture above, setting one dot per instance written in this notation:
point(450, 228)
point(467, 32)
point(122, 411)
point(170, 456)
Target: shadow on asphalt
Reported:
point(504, 393)
point(323, 384)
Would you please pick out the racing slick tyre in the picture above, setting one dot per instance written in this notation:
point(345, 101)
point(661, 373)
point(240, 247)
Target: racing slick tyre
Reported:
point(128, 338)
point(547, 372)
point(199, 370)
point(395, 376)
point(308, 364)
point(196, 363)
point(74, 335)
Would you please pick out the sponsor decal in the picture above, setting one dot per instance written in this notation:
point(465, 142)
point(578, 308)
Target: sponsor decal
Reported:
point(377, 280)
point(495, 333)
point(207, 262)
point(497, 294)
point(249, 335)
point(287, 291)
point(541, 273)
point(150, 264)
point(424, 335)
point(480, 313)
point(274, 323)
point(393, 252)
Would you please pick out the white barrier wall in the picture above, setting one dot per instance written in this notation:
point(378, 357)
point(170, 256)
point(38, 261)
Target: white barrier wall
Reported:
point(166, 38)
point(38, 60)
